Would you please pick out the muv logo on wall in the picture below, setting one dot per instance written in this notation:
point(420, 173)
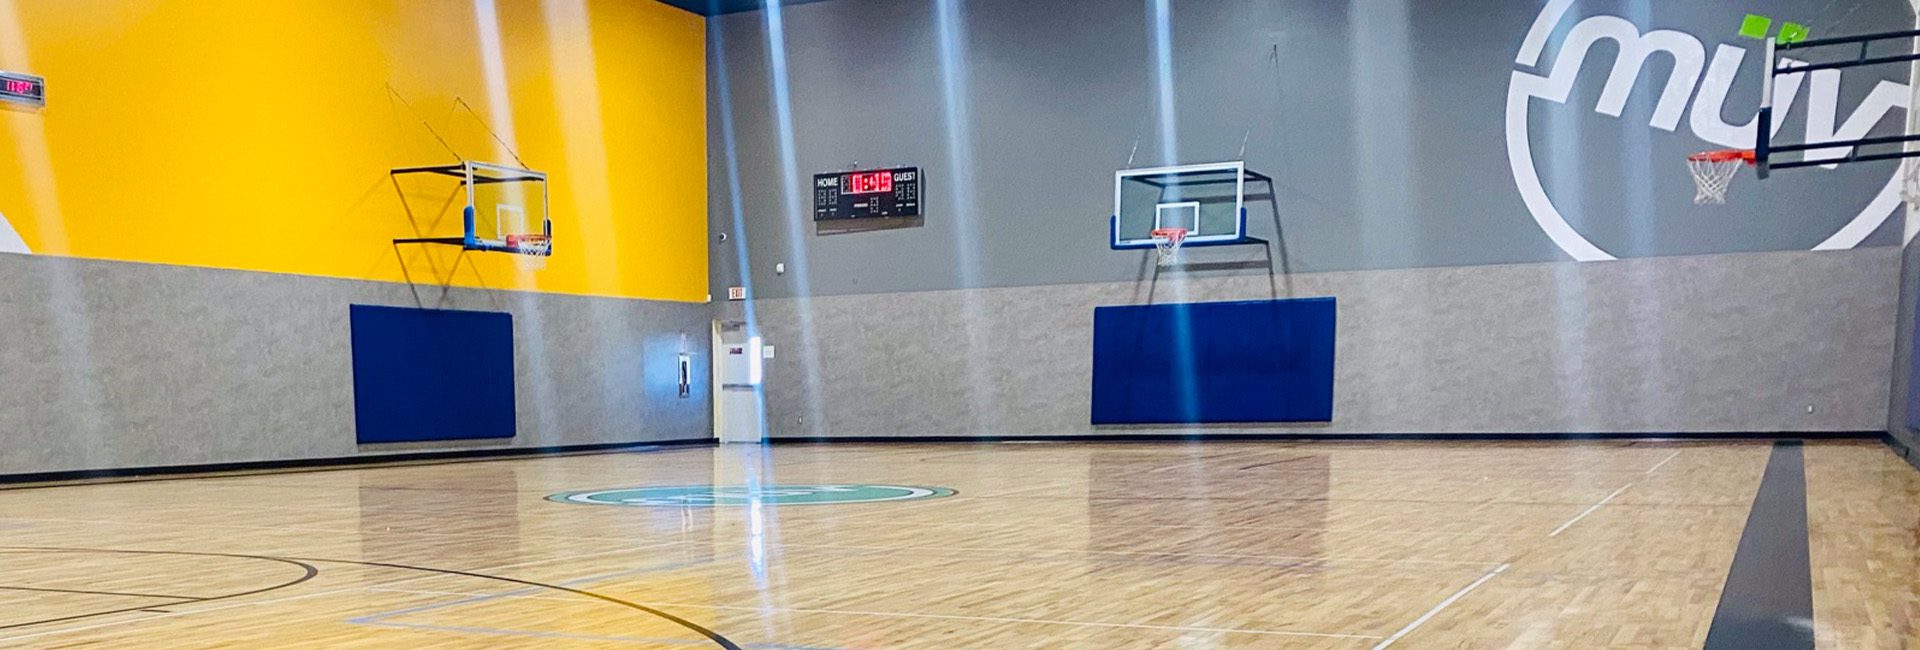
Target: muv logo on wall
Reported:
point(1615, 183)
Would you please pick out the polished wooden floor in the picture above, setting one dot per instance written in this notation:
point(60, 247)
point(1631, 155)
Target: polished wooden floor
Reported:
point(1180, 546)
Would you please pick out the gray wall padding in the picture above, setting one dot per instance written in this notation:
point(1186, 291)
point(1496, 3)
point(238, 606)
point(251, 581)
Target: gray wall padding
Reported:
point(1724, 343)
point(119, 365)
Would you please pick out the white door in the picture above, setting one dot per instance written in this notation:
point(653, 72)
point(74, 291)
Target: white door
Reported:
point(738, 415)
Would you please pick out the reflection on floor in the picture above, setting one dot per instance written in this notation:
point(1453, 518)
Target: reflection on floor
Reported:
point(1204, 545)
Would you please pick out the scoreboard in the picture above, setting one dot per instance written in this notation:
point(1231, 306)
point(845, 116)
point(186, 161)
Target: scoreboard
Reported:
point(864, 194)
point(16, 88)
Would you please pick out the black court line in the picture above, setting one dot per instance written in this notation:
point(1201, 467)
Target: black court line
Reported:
point(711, 635)
point(1283, 460)
point(121, 594)
point(308, 572)
point(311, 571)
point(1767, 603)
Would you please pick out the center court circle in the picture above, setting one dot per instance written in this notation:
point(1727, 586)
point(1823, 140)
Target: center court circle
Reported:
point(741, 495)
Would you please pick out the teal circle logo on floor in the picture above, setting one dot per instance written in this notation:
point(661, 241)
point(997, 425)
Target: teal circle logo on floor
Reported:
point(742, 495)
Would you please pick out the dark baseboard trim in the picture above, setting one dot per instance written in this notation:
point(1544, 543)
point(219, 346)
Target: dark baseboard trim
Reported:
point(1905, 451)
point(411, 458)
point(1348, 437)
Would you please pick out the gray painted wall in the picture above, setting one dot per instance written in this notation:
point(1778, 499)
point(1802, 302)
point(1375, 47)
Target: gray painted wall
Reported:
point(1725, 343)
point(1384, 122)
point(1387, 125)
point(118, 365)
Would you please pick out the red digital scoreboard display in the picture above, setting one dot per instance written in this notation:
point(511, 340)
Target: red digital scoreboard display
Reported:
point(23, 89)
point(862, 194)
point(868, 182)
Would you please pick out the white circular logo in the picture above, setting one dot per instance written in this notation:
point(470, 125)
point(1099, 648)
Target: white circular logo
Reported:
point(1694, 80)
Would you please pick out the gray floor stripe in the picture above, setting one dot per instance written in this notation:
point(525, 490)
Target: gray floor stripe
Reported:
point(1768, 600)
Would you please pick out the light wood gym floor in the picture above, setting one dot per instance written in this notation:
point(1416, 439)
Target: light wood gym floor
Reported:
point(1204, 545)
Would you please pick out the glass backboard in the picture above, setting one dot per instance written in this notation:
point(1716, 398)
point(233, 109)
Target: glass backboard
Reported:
point(504, 205)
point(1208, 200)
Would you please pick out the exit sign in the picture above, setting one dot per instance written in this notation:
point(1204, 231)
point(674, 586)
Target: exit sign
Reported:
point(24, 89)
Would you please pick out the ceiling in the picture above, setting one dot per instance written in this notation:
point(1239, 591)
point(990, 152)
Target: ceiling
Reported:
point(717, 7)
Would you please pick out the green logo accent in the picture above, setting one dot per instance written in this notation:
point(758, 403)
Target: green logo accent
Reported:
point(1756, 26)
point(1793, 32)
point(700, 496)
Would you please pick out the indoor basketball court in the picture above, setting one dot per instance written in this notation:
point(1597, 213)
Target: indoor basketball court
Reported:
point(942, 324)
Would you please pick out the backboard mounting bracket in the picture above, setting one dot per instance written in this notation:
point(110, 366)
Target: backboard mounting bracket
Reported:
point(1764, 146)
point(505, 211)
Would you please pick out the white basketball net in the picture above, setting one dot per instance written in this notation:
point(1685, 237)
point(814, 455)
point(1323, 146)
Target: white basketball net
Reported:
point(534, 251)
point(1712, 175)
point(1167, 241)
point(531, 262)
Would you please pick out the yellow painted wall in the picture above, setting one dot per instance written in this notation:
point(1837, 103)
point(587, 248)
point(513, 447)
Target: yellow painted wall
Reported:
point(257, 135)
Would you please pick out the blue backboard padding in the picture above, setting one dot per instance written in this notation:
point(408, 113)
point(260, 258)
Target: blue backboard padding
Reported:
point(431, 374)
point(1214, 362)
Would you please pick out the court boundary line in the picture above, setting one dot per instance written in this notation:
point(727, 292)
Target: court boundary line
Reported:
point(171, 614)
point(542, 634)
point(119, 594)
point(1596, 507)
point(383, 618)
point(1457, 595)
point(1663, 462)
point(1590, 510)
point(514, 593)
point(320, 594)
point(309, 572)
point(711, 635)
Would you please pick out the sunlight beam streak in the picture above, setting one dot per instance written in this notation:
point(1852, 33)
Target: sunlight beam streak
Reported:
point(955, 95)
point(797, 218)
point(67, 300)
point(736, 213)
point(499, 119)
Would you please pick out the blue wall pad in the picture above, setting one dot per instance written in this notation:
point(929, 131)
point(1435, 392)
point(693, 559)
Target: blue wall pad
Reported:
point(426, 374)
point(1214, 362)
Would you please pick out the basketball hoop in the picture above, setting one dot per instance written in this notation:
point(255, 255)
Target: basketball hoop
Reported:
point(1713, 172)
point(541, 245)
point(1167, 241)
point(532, 251)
